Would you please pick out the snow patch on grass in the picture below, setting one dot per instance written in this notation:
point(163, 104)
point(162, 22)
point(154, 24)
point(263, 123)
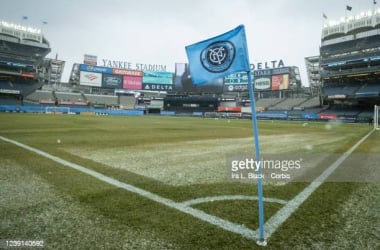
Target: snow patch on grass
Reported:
point(198, 161)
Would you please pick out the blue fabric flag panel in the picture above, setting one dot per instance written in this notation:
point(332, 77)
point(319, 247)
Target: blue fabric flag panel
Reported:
point(219, 56)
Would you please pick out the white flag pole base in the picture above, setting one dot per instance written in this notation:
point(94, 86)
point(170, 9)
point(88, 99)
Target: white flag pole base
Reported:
point(262, 243)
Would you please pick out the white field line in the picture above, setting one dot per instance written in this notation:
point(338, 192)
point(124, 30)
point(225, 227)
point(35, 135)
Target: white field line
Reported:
point(226, 225)
point(285, 212)
point(229, 197)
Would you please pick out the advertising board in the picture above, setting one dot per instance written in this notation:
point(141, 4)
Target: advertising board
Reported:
point(157, 77)
point(90, 79)
point(280, 82)
point(263, 83)
point(97, 69)
point(112, 81)
point(132, 82)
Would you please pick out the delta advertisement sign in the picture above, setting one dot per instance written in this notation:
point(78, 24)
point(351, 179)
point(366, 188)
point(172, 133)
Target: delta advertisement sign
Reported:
point(157, 81)
point(264, 80)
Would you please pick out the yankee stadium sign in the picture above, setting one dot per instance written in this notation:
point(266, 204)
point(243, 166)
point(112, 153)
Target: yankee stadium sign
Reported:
point(133, 66)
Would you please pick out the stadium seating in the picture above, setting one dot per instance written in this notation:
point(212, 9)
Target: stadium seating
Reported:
point(39, 96)
point(288, 103)
point(127, 101)
point(102, 99)
point(311, 102)
point(71, 97)
point(341, 89)
point(369, 89)
point(267, 102)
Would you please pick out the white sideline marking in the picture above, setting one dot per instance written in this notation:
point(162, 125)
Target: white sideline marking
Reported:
point(285, 212)
point(227, 225)
point(230, 197)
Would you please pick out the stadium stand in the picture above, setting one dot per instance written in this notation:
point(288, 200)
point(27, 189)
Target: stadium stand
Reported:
point(345, 83)
point(288, 104)
point(369, 90)
point(348, 90)
point(311, 102)
point(350, 63)
point(267, 102)
point(40, 96)
point(22, 52)
point(107, 100)
point(75, 99)
point(127, 101)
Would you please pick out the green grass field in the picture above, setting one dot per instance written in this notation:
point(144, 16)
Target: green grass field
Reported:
point(179, 159)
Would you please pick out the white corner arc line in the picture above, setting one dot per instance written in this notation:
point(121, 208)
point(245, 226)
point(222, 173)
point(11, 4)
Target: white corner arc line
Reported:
point(214, 220)
point(285, 212)
point(229, 197)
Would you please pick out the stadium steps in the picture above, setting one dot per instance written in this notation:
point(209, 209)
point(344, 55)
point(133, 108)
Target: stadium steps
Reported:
point(288, 103)
point(310, 102)
point(84, 97)
point(268, 102)
point(54, 96)
point(369, 87)
point(39, 95)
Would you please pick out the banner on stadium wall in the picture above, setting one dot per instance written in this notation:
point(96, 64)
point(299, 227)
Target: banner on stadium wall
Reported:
point(237, 82)
point(90, 79)
point(157, 81)
point(90, 59)
point(263, 83)
point(229, 109)
point(272, 115)
point(157, 87)
point(112, 81)
point(132, 82)
point(280, 82)
point(97, 69)
point(127, 72)
point(153, 77)
point(310, 116)
point(237, 78)
point(327, 116)
point(235, 88)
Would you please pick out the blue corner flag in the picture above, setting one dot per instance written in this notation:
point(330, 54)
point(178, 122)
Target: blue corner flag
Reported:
point(219, 56)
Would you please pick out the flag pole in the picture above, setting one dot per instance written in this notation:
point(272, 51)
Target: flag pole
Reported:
point(261, 241)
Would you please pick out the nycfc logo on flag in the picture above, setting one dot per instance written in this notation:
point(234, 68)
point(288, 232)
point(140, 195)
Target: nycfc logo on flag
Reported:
point(218, 56)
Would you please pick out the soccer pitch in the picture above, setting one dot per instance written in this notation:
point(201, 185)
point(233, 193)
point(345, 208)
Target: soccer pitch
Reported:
point(185, 198)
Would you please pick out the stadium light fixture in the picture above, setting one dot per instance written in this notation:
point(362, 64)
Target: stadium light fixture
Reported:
point(347, 19)
point(20, 27)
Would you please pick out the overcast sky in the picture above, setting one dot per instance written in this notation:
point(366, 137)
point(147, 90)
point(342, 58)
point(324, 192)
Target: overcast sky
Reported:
point(156, 32)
